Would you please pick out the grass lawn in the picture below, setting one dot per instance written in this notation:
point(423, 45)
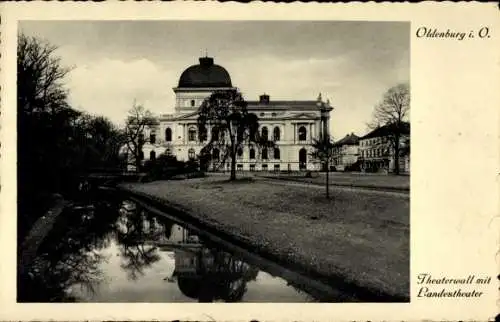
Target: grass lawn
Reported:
point(351, 179)
point(363, 237)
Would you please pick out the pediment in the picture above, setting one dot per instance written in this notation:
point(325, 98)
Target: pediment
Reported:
point(301, 116)
point(189, 116)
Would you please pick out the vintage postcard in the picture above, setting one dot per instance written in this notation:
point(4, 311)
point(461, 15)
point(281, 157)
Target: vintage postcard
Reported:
point(261, 161)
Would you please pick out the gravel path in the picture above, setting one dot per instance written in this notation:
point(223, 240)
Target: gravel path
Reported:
point(334, 187)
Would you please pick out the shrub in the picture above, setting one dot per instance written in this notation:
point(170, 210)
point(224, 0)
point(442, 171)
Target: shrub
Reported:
point(167, 167)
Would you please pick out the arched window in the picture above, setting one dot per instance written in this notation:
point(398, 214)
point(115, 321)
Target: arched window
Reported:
point(141, 155)
point(192, 103)
point(252, 153)
point(168, 134)
point(277, 153)
point(191, 154)
point(192, 134)
point(264, 154)
point(265, 133)
point(141, 138)
point(302, 158)
point(152, 155)
point(276, 134)
point(216, 154)
point(215, 134)
point(240, 152)
point(302, 133)
point(152, 138)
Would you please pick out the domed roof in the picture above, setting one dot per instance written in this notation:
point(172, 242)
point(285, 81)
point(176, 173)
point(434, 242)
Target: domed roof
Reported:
point(205, 74)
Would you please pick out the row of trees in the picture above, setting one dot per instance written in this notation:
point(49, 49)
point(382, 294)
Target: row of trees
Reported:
point(54, 141)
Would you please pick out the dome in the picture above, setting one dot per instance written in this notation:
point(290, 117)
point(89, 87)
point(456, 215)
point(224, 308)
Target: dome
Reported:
point(205, 74)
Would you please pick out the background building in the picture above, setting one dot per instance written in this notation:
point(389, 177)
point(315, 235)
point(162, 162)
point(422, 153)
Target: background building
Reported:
point(377, 151)
point(291, 124)
point(345, 153)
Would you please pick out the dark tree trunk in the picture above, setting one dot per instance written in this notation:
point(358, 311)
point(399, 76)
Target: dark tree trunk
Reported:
point(396, 154)
point(137, 161)
point(233, 162)
point(327, 181)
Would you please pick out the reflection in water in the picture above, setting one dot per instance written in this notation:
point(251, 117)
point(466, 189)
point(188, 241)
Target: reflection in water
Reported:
point(69, 257)
point(208, 274)
point(113, 250)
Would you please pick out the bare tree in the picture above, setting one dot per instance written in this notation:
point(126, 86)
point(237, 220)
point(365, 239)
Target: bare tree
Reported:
point(323, 151)
point(40, 76)
point(226, 114)
point(138, 120)
point(393, 112)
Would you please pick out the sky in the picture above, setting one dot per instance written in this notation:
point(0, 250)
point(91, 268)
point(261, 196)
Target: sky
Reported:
point(116, 62)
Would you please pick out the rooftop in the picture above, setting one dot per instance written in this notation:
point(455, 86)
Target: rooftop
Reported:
point(205, 74)
point(349, 139)
point(387, 130)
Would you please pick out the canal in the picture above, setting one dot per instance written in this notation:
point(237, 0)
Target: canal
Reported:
point(112, 249)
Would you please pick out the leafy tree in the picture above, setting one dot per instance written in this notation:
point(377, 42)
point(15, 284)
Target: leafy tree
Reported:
point(225, 114)
point(102, 141)
point(54, 141)
point(394, 112)
point(323, 151)
point(138, 120)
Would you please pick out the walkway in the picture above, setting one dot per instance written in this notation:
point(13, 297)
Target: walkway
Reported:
point(333, 187)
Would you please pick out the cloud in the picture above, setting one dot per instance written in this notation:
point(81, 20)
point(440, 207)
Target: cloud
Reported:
point(352, 63)
point(109, 87)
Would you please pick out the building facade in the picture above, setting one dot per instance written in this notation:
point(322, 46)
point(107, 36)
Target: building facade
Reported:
point(292, 125)
point(345, 153)
point(377, 151)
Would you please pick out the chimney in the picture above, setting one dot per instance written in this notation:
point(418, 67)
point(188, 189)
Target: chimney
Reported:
point(264, 99)
point(206, 61)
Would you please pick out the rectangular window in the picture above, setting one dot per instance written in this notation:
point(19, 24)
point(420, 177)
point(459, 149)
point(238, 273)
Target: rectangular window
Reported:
point(252, 167)
point(264, 167)
point(240, 167)
point(276, 167)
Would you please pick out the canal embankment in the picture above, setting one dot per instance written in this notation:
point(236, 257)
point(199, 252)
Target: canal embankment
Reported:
point(358, 242)
point(40, 229)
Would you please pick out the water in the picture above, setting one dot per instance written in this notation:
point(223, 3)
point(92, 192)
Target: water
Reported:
point(112, 250)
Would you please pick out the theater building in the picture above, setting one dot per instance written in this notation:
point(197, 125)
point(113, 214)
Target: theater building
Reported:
point(291, 124)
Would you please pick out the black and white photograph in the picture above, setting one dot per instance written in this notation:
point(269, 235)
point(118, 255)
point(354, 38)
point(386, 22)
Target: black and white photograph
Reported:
point(209, 161)
point(213, 161)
